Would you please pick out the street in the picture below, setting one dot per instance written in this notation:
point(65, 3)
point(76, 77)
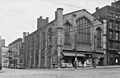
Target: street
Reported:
point(62, 73)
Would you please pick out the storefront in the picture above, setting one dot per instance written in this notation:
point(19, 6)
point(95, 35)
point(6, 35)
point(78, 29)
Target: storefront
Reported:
point(69, 58)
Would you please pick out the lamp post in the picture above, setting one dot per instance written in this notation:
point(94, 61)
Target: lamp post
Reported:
point(94, 56)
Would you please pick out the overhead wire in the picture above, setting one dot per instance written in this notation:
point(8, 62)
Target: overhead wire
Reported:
point(91, 26)
point(66, 4)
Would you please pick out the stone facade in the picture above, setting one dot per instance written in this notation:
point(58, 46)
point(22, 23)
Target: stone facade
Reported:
point(46, 46)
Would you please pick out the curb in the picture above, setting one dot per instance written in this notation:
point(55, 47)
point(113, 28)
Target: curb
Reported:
point(87, 68)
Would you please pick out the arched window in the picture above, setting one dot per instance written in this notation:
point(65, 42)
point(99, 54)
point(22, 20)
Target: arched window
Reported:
point(67, 29)
point(83, 29)
point(99, 31)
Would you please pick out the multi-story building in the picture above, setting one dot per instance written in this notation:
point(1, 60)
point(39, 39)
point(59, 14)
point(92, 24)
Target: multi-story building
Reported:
point(15, 53)
point(76, 34)
point(5, 60)
point(110, 15)
point(2, 44)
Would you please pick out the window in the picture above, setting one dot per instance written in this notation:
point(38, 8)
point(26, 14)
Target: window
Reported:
point(116, 26)
point(116, 36)
point(99, 31)
point(111, 35)
point(111, 45)
point(83, 26)
point(111, 25)
point(117, 45)
point(67, 27)
point(116, 16)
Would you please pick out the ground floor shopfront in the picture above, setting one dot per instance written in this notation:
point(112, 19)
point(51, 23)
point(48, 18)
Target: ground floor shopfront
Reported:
point(86, 58)
point(113, 58)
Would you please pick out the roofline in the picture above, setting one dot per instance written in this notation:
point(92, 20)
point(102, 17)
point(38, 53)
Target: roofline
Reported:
point(81, 10)
point(40, 28)
point(19, 39)
point(73, 12)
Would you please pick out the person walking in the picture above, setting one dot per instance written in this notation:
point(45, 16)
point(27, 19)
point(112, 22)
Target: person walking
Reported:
point(82, 63)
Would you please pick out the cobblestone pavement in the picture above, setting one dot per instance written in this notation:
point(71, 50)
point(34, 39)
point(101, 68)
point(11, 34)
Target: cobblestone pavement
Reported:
point(100, 72)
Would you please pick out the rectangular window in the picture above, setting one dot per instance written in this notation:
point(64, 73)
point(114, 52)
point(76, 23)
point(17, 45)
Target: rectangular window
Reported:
point(116, 26)
point(110, 35)
point(116, 36)
point(117, 45)
point(111, 45)
point(110, 25)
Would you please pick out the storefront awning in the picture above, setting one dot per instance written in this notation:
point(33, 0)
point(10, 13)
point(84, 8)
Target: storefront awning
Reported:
point(73, 54)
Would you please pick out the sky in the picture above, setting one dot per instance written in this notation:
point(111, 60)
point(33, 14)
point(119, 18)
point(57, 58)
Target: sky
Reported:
point(18, 16)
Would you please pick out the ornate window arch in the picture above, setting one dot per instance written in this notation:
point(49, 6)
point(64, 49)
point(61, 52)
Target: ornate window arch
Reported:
point(83, 29)
point(67, 30)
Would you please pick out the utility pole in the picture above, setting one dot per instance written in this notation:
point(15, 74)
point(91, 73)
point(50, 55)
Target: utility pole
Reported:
point(75, 48)
point(50, 46)
point(94, 54)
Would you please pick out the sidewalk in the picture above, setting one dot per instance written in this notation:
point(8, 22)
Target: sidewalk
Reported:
point(88, 68)
point(1, 71)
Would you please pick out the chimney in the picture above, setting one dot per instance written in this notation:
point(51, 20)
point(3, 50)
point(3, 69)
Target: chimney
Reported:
point(97, 9)
point(42, 22)
point(24, 35)
point(55, 14)
point(59, 16)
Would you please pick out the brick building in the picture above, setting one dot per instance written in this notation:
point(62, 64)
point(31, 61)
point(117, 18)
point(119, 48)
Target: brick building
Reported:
point(110, 15)
point(76, 33)
point(15, 53)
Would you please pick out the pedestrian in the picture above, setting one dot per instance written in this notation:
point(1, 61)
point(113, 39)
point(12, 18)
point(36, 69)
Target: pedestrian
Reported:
point(82, 63)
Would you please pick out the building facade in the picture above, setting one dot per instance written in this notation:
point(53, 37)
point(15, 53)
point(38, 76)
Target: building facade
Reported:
point(76, 34)
point(5, 60)
point(110, 15)
point(16, 56)
point(2, 44)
